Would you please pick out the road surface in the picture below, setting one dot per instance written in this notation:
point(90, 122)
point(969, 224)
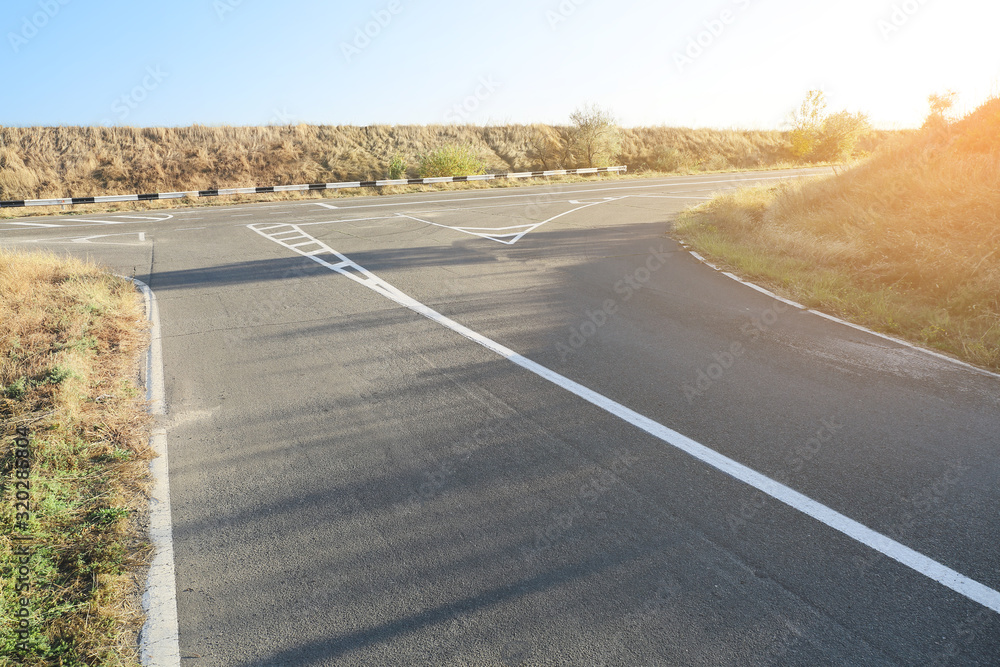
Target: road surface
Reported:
point(355, 481)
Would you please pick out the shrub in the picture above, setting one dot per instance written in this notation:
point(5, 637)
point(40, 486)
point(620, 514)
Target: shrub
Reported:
point(816, 135)
point(544, 147)
point(664, 158)
point(451, 160)
point(840, 134)
point(397, 168)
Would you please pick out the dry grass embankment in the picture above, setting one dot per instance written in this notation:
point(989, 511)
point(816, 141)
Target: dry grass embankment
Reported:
point(70, 340)
point(907, 242)
point(49, 162)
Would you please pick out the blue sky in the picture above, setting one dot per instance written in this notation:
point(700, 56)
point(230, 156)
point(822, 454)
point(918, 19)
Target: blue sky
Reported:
point(251, 62)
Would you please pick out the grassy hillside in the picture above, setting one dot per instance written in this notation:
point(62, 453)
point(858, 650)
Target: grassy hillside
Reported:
point(907, 242)
point(39, 162)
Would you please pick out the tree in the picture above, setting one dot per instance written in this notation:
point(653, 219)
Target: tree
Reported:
point(940, 104)
point(595, 136)
point(807, 123)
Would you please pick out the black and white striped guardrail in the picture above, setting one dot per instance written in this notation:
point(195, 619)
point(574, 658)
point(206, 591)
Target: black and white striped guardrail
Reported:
point(69, 201)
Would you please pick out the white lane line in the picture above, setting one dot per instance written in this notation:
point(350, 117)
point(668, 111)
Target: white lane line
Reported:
point(124, 219)
point(33, 224)
point(969, 588)
point(471, 230)
point(188, 229)
point(59, 240)
point(332, 222)
point(159, 640)
point(463, 209)
point(515, 236)
point(560, 193)
point(795, 304)
point(667, 197)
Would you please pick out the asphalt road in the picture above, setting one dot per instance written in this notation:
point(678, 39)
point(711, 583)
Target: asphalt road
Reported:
point(354, 482)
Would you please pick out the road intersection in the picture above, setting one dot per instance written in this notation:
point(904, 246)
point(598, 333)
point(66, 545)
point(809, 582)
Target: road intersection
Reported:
point(525, 427)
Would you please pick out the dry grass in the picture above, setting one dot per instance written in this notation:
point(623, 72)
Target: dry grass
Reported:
point(70, 340)
point(50, 162)
point(907, 242)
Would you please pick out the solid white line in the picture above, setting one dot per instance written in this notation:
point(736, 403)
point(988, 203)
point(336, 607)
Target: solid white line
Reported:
point(438, 209)
point(897, 551)
point(331, 222)
point(667, 197)
point(159, 640)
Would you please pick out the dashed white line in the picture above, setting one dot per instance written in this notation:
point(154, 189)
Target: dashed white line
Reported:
point(795, 304)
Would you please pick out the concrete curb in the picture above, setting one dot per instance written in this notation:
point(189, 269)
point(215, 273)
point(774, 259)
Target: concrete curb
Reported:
point(159, 642)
